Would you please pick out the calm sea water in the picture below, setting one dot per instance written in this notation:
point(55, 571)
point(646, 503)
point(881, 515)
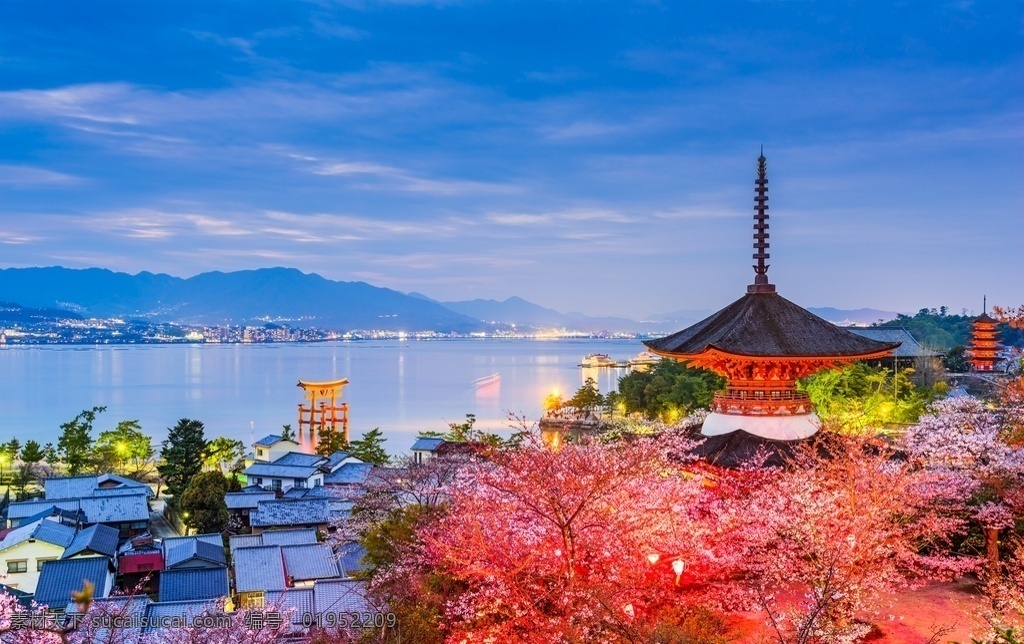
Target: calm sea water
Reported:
point(402, 387)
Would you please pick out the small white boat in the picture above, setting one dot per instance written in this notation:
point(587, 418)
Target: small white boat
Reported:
point(487, 381)
point(644, 360)
point(598, 360)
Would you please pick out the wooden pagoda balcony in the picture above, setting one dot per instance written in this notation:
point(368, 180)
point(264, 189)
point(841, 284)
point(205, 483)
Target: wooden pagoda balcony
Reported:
point(762, 403)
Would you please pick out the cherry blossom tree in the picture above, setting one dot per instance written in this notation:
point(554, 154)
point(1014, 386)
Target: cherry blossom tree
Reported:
point(841, 531)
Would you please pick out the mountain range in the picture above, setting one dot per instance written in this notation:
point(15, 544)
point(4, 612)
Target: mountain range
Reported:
point(287, 295)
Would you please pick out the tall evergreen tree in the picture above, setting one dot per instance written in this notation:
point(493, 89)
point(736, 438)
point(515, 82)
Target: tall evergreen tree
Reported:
point(369, 448)
point(32, 452)
point(329, 441)
point(287, 433)
point(202, 503)
point(182, 455)
point(75, 443)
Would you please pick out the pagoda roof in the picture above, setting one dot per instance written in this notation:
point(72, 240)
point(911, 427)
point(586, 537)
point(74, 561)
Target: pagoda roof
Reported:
point(985, 317)
point(765, 324)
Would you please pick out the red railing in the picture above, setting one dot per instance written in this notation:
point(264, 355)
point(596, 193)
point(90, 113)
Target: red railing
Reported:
point(762, 403)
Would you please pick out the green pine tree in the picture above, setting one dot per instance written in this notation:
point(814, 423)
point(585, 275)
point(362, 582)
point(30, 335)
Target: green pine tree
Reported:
point(75, 443)
point(182, 455)
point(202, 503)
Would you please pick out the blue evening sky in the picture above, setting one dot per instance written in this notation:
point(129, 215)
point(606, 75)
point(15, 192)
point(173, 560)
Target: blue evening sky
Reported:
point(591, 156)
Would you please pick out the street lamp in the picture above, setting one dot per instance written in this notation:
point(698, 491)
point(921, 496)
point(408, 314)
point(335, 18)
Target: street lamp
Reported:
point(678, 565)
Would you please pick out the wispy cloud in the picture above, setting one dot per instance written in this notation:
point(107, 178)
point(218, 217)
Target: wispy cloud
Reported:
point(30, 176)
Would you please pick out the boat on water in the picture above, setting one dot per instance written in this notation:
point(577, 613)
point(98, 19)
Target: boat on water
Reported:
point(598, 361)
point(644, 360)
point(487, 381)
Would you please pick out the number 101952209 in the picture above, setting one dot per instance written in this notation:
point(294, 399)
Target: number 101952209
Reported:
point(349, 620)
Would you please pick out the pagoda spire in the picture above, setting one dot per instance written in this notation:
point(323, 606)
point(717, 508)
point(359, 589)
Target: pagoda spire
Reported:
point(761, 245)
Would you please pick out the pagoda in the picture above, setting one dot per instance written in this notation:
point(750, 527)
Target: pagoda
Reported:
point(762, 344)
point(984, 342)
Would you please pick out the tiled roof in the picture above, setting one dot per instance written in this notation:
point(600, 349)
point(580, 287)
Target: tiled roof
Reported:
point(299, 600)
point(98, 538)
point(289, 537)
point(349, 474)
point(258, 568)
point(162, 612)
point(341, 596)
point(767, 324)
point(273, 538)
point(207, 547)
point(70, 487)
point(65, 516)
point(309, 561)
point(270, 441)
point(244, 541)
point(315, 492)
point(300, 459)
point(910, 348)
point(193, 583)
point(60, 578)
point(122, 606)
point(246, 500)
point(290, 512)
point(40, 530)
point(350, 557)
point(250, 489)
point(280, 471)
point(335, 459)
point(425, 444)
point(127, 506)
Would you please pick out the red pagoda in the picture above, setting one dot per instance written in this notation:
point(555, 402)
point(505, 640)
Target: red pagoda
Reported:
point(984, 343)
point(763, 343)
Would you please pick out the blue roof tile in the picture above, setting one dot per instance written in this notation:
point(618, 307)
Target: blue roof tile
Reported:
point(289, 537)
point(247, 500)
point(341, 596)
point(309, 561)
point(208, 548)
point(290, 512)
point(193, 583)
point(41, 530)
point(301, 459)
point(349, 474)
point(61, 577)
point(100, 539)
point(350, 557)
point(258, 568)
point(425, 444)
point(299, 600)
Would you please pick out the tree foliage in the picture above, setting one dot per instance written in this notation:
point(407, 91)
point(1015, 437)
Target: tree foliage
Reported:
point(329, 441)
point(202, 503)
point(940, 330)
point(223, 450)
point(587, 398)
point(668, 391)
point(860, 397)
point(182, 455)
point(32, 452)
point(125, 450)
point(75, 443)
point(287, 433)
point(369, 448)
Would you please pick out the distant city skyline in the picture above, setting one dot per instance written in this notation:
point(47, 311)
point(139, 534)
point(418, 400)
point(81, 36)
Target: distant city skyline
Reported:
point(592, 157)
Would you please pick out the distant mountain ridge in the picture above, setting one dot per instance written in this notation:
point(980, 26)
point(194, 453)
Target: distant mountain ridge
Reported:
point(240, 297)
point(287, 295)
point(11, 313)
